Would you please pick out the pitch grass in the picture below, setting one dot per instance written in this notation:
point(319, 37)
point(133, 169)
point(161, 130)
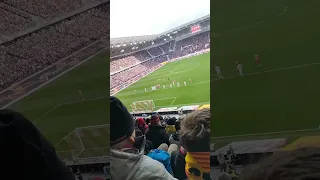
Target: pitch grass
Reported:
point(195, 93)
point(284, 33)
point(55, 123)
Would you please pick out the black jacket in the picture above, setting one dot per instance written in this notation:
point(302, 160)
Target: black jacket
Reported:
point(157, 135)
point(178, 164)
point(25, 151)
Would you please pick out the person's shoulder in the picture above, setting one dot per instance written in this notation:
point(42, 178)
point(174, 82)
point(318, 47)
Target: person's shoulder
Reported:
point(152, 169)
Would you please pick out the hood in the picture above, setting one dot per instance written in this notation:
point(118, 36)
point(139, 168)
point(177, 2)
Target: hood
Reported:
point(127, 163)
point(21, 141)
point(155, 127)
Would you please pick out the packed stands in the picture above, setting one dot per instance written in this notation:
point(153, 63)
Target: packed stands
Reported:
point(123, 69)
point(13, 20)
point(47, 9)
point(34, 52)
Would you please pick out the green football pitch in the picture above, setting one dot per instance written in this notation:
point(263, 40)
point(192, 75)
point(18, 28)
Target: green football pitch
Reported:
point(78, 128)
point(197, 92)
point(57, 110)
point(282, 97)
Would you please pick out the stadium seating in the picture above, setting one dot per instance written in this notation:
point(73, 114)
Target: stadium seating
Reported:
point(125, 68)
point(34, 52)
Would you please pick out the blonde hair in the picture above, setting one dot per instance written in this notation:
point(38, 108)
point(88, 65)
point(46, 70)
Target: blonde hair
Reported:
point(195, 131)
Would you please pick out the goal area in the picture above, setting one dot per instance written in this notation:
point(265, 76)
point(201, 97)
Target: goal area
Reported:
point(85, 145)
point(143, 106)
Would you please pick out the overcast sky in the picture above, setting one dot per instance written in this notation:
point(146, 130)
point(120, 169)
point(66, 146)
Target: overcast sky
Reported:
point(147, 17)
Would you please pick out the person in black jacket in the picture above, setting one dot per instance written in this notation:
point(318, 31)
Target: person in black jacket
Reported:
point(178, 163)
point(25, 153)
point(156, 133)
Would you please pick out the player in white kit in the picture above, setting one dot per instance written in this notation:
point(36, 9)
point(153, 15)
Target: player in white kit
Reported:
point(185, 84)
point(239, 68)
point(218, 71)
point(178, 84)
point(170, 85)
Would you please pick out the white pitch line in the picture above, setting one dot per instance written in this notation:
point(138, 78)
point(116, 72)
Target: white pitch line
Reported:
point(173, 101)
point(268, 133)
point(189, 104)
point(253, 24)
point(272, 70)
point(163, 99)
point(82, 149)
point(63, 104)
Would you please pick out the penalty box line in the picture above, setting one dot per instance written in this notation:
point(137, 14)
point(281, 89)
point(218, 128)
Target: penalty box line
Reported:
point(63, 104)
point(269, 71)
point(174, 99)
point(267, 133)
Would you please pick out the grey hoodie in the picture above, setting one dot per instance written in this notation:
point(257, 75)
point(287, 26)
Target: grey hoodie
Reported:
point(136, 166)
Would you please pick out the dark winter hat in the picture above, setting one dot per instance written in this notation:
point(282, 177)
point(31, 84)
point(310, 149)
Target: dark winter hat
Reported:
point(154, 119)
point(121, 121)
point(21, 140)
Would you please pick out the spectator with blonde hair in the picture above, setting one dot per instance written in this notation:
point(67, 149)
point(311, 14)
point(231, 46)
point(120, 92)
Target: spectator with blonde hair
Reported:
point(195, 138)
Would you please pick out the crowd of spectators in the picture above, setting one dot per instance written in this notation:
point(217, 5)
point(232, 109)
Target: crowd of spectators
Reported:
point(130, 73)
point(131, 66)
point(47, 9)
point(191, 45)
point(121, 63)
point(32, 53)
point(155, 51)
point(159, 148)
point(13, 20)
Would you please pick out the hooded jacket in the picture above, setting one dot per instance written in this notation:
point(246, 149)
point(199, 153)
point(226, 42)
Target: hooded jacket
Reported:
point(142, 125)
point(157, 134)
point(26, 152)
point(136, 166)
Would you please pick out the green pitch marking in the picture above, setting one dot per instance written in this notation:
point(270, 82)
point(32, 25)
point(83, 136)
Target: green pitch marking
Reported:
point(53, 114)
point(282, 99)
point(195, 68)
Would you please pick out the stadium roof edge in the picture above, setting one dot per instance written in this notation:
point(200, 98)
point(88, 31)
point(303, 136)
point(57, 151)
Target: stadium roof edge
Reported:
point(121, 40)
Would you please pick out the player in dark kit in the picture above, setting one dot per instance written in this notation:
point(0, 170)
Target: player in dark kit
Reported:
point(257, 58)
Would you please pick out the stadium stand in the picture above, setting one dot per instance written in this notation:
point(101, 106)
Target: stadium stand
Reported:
point(234, 157)
point(134, 57)
point(41, 39)
point(34, 52)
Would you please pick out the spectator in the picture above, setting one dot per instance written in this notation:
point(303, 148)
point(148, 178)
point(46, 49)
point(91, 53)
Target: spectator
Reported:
point(174, 138)
point(222, 163)
point(170, 128)
point(178, 163)
point(195, 138)
point(20, 141)
point(224, 176)
point(142, 125)
point(79, 174)
point(127, 151)
point(299, 164)
point(157, 133)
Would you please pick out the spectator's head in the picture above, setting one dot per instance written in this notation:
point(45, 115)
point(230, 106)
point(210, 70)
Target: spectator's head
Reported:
point(141, 122)
point(195, 131)
point(177, 125)
point(171, 121)
point(299, 164)
point(122, 133)
point(155, 120)
point(21, 140)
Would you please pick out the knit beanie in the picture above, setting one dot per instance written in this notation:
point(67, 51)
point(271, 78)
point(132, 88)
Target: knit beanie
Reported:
point(121, 121)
